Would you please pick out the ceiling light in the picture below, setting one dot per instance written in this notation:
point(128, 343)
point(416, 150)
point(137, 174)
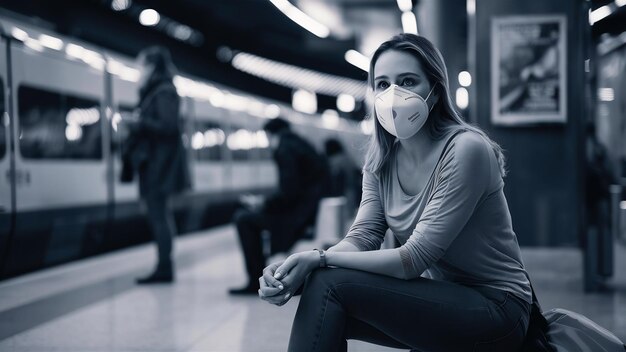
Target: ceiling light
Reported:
point(345, 103)
point(301, 18)
point(409, 23)
point(470, 7)
point(149, 17)
point(620, 3)
point(120, 5)
point(75, 51)
point(272, 111)
point(599, 14)
point(462, 98)
point(297, 77)
point(357, 59)
point(465, 79)
point(330, 118)
point(19, 34)
point(367, 126)
point(304, 101)
point(33, 44)
point(405, 5)
point(51, 42)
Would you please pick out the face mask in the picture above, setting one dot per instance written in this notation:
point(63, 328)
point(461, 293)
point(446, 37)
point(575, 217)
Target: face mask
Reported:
point(401, 112)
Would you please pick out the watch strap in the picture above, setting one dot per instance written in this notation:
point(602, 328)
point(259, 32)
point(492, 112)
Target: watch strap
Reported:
point(322, 257)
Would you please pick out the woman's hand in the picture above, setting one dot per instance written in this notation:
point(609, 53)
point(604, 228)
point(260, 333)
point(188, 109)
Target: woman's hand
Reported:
point(295, 269)
point(271, 289)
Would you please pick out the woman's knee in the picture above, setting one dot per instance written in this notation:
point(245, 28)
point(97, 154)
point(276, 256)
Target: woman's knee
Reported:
point(328, 278)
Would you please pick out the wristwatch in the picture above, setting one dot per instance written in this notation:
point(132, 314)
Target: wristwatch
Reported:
point(322, 257)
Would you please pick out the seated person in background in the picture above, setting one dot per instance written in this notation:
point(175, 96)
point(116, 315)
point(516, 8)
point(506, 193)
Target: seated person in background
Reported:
point(302, 179)
point(345, 176)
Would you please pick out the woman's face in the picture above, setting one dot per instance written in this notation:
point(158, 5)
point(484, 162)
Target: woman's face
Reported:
point(402, 69)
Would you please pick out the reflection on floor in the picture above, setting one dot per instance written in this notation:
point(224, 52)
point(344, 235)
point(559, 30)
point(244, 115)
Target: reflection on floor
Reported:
point(196, 314)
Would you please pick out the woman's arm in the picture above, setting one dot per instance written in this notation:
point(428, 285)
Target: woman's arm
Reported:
point(384, 262)
point(344, 246)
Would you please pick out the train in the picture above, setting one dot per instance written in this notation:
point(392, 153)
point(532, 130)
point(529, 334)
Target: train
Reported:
point(61, 102)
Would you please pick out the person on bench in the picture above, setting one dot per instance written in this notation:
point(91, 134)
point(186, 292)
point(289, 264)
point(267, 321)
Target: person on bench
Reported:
point(302, 181)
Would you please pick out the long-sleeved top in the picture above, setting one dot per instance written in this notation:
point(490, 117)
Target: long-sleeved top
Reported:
point(457, 229)
point(164, 169)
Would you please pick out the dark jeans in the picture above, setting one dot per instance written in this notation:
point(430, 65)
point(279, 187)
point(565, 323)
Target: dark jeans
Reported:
point(163, 228)
point(421, 314)
point(249, 227)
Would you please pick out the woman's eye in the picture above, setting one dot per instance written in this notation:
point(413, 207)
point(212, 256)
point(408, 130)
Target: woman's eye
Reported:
point(408, 82)
point(382, 85)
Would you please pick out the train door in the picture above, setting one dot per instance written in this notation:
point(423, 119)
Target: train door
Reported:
point(59, 159)
point(6, 189)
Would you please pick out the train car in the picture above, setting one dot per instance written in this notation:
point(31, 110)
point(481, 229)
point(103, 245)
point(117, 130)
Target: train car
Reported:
point(61, 196)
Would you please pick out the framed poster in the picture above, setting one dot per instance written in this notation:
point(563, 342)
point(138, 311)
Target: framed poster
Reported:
point(528, 70)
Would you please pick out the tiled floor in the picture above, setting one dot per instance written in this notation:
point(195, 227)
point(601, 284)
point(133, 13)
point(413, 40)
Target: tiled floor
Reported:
point(196, 314)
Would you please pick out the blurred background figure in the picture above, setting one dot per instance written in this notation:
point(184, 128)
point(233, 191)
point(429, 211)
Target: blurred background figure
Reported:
point(286, 214)
point(345, 176)
point(597, 242)
point(155, 152)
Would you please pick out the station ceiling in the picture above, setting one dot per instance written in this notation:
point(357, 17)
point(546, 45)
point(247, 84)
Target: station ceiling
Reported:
point(230, 26)
point(252, 26)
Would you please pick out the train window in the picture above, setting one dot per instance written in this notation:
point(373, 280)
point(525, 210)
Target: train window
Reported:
point(238, 142)
point(3, 135)
point(247, 144)
point(207, 140)
point(58, 126)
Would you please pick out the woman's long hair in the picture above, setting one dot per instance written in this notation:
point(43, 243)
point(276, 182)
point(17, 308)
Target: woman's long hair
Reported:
point(163, 68)
point(443, 118)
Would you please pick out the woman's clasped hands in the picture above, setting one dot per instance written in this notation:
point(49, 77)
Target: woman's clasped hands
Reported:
point(281, 279)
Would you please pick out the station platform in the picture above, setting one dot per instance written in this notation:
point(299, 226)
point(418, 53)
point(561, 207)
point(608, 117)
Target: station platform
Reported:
point(94, 305)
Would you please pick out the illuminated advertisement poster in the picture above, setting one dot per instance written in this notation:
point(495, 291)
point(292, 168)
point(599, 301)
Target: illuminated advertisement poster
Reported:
point(528, 81)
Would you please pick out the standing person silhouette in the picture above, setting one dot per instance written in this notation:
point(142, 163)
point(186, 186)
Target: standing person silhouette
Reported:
point(457, 282)
point(156, 153)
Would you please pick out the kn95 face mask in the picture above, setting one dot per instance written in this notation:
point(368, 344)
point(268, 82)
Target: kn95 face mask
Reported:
point(401, 112)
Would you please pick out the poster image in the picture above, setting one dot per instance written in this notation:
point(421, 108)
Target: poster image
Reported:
point(528, 72)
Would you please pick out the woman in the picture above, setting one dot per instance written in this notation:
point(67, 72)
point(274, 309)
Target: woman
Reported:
point(457, 282)
point(157, 153)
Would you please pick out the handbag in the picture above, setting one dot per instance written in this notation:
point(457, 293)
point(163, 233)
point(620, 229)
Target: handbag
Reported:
point(561, 330)
point(572, 332)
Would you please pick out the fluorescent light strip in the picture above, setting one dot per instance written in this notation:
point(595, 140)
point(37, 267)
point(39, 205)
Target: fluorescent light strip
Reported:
point(599, 14)
point(298, 77)
point(149, 17)
point(357, 59)
point(301, 18)
point(51, 42)
point(405, 5)
point(409, 23)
